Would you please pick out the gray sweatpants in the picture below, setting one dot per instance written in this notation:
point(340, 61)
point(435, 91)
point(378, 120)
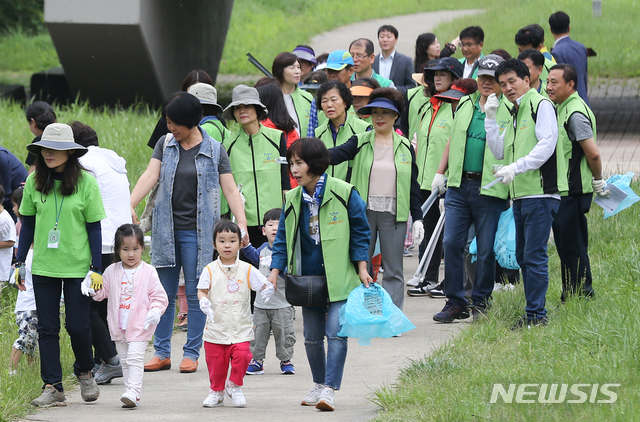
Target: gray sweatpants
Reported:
point(392, 234)
point(281, 322)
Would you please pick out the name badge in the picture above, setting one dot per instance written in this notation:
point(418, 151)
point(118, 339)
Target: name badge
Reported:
point(54, 239)
point(233, 287)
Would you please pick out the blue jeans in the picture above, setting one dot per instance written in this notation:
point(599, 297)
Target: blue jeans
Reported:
point(187, 259)
point(463, 206)
point(319, 322)
point(533, 218)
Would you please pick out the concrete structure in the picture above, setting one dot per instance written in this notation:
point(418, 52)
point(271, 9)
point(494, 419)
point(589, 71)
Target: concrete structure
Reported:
point(121, 51)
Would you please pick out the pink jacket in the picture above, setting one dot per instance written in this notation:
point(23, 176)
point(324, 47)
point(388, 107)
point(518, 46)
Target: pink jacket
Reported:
point(147, 293)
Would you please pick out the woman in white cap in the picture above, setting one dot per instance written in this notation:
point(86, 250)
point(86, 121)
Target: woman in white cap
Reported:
point(61, 208)
point(255, 151)
point(384, 172)
point(190, 168)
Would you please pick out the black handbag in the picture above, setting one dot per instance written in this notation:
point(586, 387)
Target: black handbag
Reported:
point(305, 290)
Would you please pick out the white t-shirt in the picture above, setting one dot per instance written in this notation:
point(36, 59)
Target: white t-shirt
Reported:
point(467, 69)
point(291, 108)
point(26, 299)
point(126, 295)
point(7, 233)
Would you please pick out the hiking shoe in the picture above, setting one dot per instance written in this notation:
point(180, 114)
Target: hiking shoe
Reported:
point(325, 402)
point(130, 400)
point(88, 388)
point(97, 367)
point(406, 252)
point(214, 399)
point(235, 394)
point(108, 372)
point(50, 397)
point(436, 291)
point(525, 322)
point(419, 290)
point(287, 368)
point(451, 312)
point(256, 367)
point(313, 396)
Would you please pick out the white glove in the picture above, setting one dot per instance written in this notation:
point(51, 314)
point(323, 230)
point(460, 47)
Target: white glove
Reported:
point(205, 306)
point(491, 107)
point(599, 186)
point(508, 173)
point(153, 317)
point(441, 205)
point(268, 291)
point(439, 181)
point(418, 232)
point(85, 287)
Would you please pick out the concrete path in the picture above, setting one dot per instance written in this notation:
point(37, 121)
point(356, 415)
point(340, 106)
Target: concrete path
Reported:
point(170, 395)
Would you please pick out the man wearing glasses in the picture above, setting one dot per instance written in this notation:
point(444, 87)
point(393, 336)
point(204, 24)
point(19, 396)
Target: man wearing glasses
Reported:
point(471, 43)
point(362, 52)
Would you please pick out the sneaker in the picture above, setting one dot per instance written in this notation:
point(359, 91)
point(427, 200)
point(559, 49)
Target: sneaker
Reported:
point(50, 397)
point(525, 322)
point(326, 400)
point(97, 367)
point(214, 399)
point(420, 289)
point(287, 368)
point(436, 291)
point(313, 396)
point(256, 367)
point(407, 252)
point(451, 312)
point(108, 372)
point(88, 388)
point(130, 400)
point(235, 394)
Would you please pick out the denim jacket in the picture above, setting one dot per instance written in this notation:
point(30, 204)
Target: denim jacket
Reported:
point(163, 248)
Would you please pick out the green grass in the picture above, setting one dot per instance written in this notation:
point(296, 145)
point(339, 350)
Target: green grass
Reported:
point(587, 342)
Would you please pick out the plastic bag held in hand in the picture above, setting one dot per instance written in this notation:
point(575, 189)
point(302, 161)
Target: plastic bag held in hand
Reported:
point(153, 317)
point(205, 306)
point(491, 107)
point(439, 181)
point(418, 232)
point(508, 173)
point(599, 186)
point(85, 287)
point(268, 291)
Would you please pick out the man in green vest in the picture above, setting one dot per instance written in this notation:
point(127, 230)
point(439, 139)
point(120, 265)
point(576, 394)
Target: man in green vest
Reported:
point(535, 173)
point(470, 163)
point(577, 132)
point(532, 36)
point(535, 62)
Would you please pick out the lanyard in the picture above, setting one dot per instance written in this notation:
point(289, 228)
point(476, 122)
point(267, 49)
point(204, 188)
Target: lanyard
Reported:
point(55, 197)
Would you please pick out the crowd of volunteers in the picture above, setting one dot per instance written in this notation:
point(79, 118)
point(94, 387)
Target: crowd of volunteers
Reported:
point(322, 173)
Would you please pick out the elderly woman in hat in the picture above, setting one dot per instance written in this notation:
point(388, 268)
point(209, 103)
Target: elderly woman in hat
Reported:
point(384, 172)
point(61, 208)
point(255, 153)
point(190, 168)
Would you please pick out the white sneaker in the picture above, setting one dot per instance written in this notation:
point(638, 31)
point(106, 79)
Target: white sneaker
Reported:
point(326, 400)
point(313, 396)
point(214, 399)
point(130, 400)
point(236, 395)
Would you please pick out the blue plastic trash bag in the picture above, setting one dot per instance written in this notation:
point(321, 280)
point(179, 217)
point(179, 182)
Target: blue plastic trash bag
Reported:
point(623, 182)
point(370, 313)
point(505, 244)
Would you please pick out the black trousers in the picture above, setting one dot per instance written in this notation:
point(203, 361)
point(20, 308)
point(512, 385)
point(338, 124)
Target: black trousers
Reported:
point(571, 235)
point(47, 292)
point(101, 339)
point(430, 221)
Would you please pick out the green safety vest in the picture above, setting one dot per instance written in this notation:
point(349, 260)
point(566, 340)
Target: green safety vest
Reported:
point(363, 162)
point(432, 141)
point(548, 64)
point(417, 103)
point(551, 177)
point(333, 219)
point(352, 126)
point(458, 144)
point(322, 118)
point(302, 103)
point(543, 88)
point(579, 174)
point(254, 163)
point(216, 130)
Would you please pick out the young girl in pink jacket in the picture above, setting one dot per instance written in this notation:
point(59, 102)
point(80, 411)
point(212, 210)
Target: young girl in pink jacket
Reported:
point(136, 302)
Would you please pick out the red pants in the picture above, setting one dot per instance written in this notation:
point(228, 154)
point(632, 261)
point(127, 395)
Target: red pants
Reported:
point(218, 357)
